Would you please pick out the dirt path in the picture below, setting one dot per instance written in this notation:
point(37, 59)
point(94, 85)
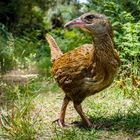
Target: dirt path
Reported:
point(18, 76)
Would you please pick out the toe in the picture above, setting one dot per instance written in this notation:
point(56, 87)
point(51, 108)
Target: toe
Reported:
point(60, 123)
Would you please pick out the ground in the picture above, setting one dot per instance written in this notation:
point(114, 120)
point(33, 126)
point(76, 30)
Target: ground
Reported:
point(115, 116)
point(110, 113)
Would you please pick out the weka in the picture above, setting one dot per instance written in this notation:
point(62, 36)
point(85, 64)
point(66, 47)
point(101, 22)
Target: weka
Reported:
point(87, 69)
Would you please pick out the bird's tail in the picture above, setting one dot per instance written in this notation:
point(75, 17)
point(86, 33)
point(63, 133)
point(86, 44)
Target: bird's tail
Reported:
point(55, 50)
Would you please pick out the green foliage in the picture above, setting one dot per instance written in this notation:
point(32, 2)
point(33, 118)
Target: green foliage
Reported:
point(18, 118)
point(17, 123)
point(44, 66)
point(6, 49)
point(125, 22)
point(24, 89)
point(128, 42)
point(70, 39)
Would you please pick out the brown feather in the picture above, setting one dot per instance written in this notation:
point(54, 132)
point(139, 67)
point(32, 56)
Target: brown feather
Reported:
point(55, 51)
point(73, 70)
point(89, 68)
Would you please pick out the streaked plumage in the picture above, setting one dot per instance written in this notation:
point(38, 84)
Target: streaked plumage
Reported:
point(87, 69)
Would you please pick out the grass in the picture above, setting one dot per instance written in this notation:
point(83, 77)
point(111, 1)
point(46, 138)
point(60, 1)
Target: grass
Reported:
point(29, 114)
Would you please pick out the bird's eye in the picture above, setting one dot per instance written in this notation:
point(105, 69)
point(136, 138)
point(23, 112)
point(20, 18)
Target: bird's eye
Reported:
point(90, 17)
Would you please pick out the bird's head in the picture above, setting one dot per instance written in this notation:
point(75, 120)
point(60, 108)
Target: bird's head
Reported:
point(91, 22)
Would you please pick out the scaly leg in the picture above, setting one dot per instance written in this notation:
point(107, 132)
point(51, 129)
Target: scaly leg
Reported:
point(82, 115)
point(61, 120)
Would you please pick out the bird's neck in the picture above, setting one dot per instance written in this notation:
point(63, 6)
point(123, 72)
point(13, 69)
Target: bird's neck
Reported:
point(103, 43)
point(104, 48)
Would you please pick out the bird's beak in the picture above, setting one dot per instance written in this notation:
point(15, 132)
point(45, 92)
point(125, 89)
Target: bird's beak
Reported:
point(76, 23)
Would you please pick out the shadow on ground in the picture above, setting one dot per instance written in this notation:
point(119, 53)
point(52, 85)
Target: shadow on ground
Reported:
point(130, 123)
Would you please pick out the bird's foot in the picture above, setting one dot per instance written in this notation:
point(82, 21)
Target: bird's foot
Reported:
point(60, 123)
point(89, 124)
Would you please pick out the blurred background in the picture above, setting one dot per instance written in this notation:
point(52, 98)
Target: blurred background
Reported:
point(24, 23)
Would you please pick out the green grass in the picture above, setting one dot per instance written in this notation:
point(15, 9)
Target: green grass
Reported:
point(29, 116)
point(113, 116)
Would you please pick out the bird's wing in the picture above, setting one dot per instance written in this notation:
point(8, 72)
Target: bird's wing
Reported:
point(74, 64)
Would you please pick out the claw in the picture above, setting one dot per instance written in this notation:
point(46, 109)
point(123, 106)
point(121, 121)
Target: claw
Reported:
point(60, 123)
point(89, 125)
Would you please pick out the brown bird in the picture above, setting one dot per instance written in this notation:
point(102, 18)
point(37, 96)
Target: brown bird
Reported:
point(87, 69)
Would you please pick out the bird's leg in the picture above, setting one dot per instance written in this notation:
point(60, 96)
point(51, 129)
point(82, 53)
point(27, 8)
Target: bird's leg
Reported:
point(86, 121)
point(61, 120)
